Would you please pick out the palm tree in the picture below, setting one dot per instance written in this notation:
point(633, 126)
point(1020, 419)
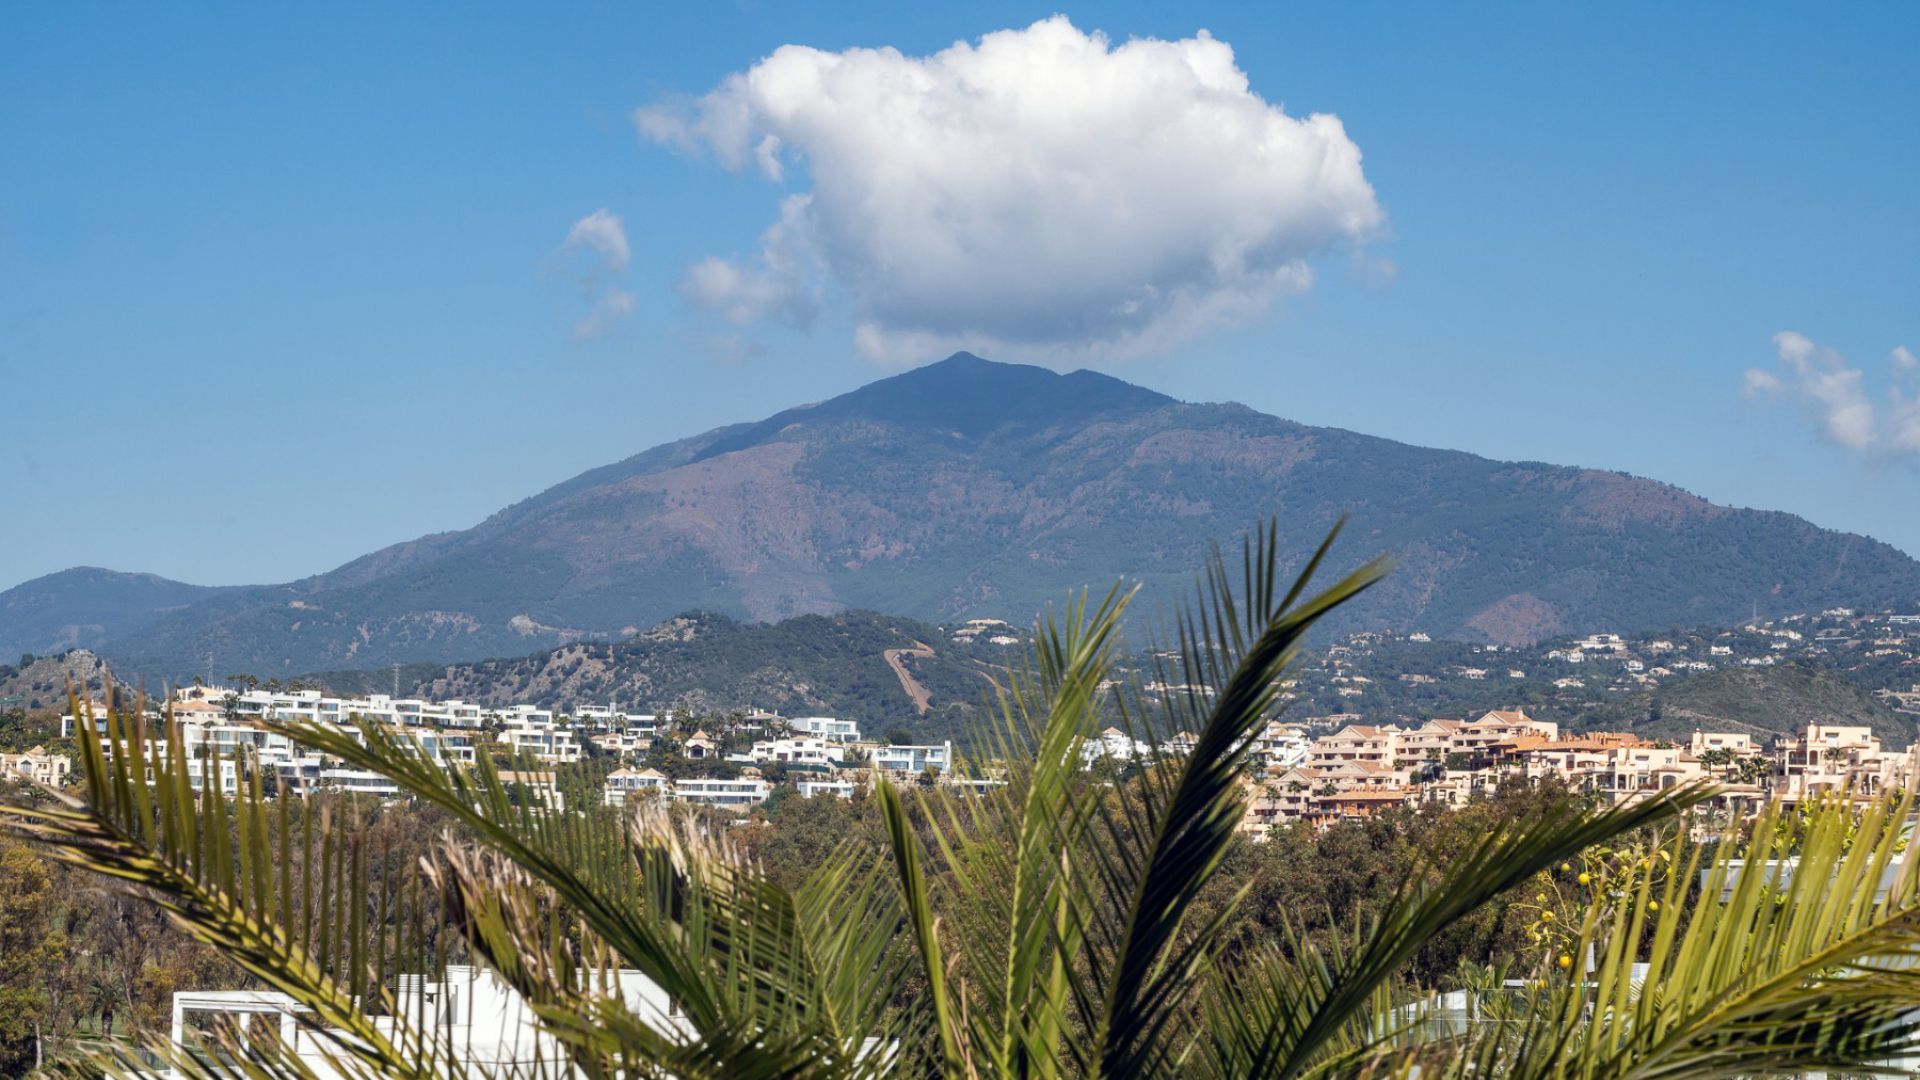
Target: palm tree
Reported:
point(1045, 929)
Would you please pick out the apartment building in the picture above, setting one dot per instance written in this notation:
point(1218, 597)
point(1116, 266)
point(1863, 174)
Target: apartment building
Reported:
point(1353, 743)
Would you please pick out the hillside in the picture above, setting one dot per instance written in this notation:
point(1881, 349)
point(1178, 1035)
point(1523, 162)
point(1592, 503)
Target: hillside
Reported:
point(83, 607)
point(42, 684)
point(1759, 701)
point(833, 665)
point(971, 488)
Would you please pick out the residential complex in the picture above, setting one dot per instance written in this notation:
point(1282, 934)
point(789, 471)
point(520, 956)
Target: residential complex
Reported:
point(1356, 770)
point(1318, 770)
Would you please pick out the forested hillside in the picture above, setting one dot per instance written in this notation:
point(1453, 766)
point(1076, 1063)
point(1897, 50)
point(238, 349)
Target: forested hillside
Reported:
point(833, 665)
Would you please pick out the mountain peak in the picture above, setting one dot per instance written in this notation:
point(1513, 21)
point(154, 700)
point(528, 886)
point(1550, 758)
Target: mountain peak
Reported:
point(963, 395)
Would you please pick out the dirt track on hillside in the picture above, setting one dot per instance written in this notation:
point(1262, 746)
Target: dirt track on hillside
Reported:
point(920, 695)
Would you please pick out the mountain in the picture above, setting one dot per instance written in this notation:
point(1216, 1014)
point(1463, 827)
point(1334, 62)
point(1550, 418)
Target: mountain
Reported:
point(82, 607)
point(969, 488)
point(886, 672)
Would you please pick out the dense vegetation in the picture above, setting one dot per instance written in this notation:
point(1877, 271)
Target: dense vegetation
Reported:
point(1758, 701)
point(833, 665)
point(811, 665)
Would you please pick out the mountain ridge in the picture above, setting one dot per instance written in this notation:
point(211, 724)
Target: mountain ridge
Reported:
point(970, 487)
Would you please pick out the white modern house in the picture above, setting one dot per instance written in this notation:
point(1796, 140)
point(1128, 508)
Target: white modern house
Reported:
point(550, 745)
point(914, 758)
point(841, 788)
point(826, 727)
point(709, 791)
point(798, 751)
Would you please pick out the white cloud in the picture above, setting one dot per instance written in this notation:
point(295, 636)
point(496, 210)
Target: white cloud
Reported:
point(1834, 393)
point(1039, 192)
point(603, 233)
point(613, 305)
point(782, 282)
point(604, 236)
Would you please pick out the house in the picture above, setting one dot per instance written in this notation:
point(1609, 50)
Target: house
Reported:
point(914, 758)
point(1281, 746)
point(798, 751)
point(1111, 745)
point(710, 791)
point(1603, 643)
point(37, 766)
point(622, 783)
point(840, 788)
point(700, 747)
point(549, 745)
point(827, 728)
point(631, 742)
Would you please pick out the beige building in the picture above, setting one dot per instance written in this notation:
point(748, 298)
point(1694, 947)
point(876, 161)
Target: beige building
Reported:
point(37, 766)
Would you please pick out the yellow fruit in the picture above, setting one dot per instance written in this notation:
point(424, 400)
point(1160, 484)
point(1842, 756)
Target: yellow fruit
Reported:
point(1586, 879)
point(1546, 916)
point(1566, 867)
point(1566, 961)
point(1653, 905)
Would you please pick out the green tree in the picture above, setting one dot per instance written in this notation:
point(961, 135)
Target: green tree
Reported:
point(30, 947)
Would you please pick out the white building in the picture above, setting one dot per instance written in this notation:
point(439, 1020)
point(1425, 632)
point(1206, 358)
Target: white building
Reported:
point(622, 783)
point(826, 727)
point(708, 791)
point(551, 745)
point(798, 751)
point(841, 788)
point(490, 1028)
point(914, 759)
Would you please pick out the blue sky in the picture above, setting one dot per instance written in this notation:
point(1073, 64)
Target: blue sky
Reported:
point(278, 287)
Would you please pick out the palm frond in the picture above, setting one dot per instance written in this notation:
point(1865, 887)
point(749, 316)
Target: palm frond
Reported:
point(207, 862)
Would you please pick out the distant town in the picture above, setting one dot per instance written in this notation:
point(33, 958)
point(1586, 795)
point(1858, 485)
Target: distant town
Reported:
point(1313, 767)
